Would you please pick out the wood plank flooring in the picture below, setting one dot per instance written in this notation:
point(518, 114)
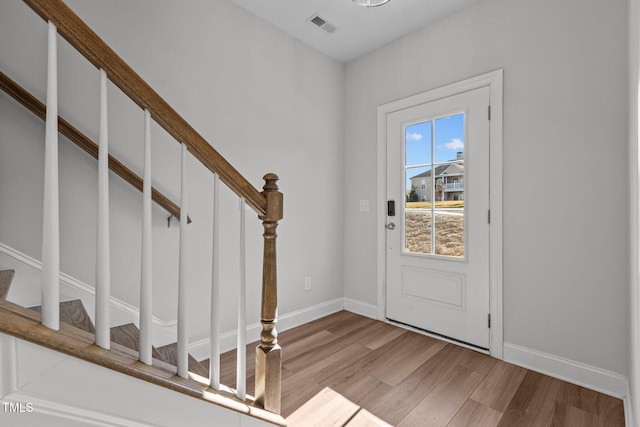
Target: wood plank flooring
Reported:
point(348, 370)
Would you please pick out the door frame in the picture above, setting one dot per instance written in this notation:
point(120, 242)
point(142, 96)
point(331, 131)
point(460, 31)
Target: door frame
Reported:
point(494, 81)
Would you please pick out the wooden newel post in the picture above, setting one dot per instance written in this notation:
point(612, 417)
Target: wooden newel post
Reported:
point(268, 353)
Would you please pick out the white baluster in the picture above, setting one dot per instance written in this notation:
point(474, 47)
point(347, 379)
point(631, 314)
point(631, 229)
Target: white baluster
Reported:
point(51, 222)
point(214, 359)
point(241, 353)
point(103, 261)
point(183, 339)
point(146, 296)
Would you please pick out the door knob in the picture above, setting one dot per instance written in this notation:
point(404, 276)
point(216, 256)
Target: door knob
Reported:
point(391, 226)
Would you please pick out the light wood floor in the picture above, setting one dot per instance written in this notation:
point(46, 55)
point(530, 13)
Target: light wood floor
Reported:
point(348, 370)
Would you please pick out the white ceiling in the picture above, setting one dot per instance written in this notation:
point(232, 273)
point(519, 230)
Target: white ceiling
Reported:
point(360, 30)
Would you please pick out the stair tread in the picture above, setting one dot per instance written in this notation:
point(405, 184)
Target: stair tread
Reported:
point(6, 276)
point(73, 313)
point(128, 335)
point(170, 354)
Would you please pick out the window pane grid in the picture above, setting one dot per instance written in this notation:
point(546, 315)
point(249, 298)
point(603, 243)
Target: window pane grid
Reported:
point(434, 208)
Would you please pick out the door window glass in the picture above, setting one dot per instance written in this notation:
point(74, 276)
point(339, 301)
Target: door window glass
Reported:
point(434, 171)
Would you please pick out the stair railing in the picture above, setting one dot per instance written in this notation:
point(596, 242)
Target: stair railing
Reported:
point(267, 204)
point(30, 102)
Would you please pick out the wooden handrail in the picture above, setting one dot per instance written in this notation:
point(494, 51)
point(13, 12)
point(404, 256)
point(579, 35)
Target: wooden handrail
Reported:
point(96, 51)
point(34, 105)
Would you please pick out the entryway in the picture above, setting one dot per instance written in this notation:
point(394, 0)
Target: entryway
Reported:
point(442, 232)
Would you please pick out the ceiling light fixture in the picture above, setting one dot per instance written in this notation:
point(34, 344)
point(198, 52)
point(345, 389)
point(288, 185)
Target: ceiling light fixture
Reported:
point(370, 3)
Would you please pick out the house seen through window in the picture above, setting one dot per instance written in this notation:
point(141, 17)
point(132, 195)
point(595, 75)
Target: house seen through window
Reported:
point(434, 179)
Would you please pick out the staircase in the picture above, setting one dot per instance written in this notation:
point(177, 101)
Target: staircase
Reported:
point(65, 326)
point(78, 329)
point(73, 313)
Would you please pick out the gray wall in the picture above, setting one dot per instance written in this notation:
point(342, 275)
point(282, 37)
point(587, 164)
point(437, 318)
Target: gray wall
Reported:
point(566, 275)
point(271, 104)
point(267, 102)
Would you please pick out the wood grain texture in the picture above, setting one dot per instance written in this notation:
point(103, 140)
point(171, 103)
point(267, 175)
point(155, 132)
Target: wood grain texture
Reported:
point(364, 418)
point(534, 402)
point(268, 378)
point(415, 353)
point(169, 353)
point(296, 391)
point(326, 408)
point(475, 414)
point(571, 416)
point(401, 400)
point(84, 142)
point(441, 405)
point(499, 386)
point(383, 334)
point(330, 357)
point(268, 370)
point(6, 277)
point(129, 336)
point(73, 313)
point(96, 51)
point(318, 354)
point(592, 402)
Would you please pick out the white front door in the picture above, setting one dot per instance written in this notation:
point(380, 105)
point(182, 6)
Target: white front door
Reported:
point(438, 217)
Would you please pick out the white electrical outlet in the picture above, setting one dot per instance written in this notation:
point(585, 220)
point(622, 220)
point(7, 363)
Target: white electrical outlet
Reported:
point(364, 206)
point(307, 283)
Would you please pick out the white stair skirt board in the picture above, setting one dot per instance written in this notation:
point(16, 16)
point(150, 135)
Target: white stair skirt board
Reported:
point(8, 367)
point(65, 414)
point(116, 402)
point(591, 377)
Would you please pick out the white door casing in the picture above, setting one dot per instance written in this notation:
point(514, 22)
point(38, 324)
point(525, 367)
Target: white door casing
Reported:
point(493, 81)
point(438, 279)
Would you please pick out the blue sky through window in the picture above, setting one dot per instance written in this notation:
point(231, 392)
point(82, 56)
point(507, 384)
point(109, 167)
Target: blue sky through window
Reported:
point(448, 141)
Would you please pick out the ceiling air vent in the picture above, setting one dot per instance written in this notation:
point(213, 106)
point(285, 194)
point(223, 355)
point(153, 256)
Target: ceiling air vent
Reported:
point(322, 24)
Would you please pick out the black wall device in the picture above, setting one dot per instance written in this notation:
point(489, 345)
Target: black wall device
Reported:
point(391, 208)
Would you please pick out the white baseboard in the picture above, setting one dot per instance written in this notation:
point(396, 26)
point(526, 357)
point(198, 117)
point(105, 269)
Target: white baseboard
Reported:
point(200, 350)
point(601, 380)
point(361, 308)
